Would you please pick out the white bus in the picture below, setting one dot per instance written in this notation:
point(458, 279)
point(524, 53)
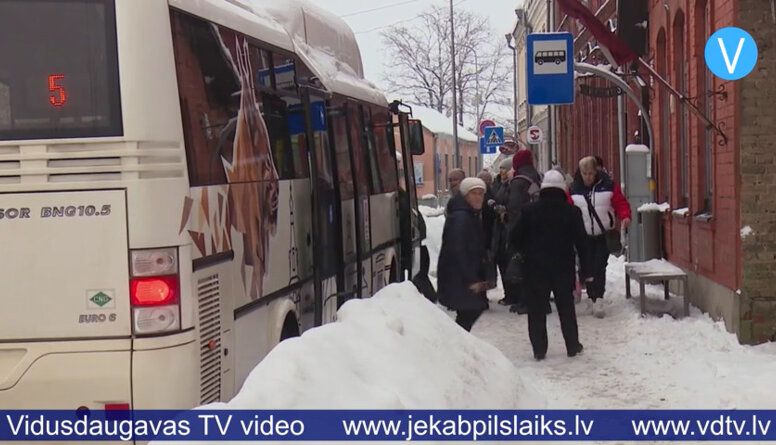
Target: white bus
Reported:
point(183, 185)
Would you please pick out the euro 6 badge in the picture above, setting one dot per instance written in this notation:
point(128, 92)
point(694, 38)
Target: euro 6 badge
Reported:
point(97, 300)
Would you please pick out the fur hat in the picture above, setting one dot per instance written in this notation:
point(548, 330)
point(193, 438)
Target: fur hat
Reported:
point(470, 184)
point(554, 179)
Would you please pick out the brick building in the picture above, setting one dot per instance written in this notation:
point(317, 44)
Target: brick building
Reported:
point(719, 188)
point(722, 227)
point(432, 167)
point(590, 125)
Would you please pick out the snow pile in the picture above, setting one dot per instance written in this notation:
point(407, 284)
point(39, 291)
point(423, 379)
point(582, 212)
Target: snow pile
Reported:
point(431, 212)
point(655, 267)
point(654, 207)
point(438, 123)
point(746, 231)
point(636, 148)
point(429, 196)
point(395, 350)
point(435, 223)
point(681, 212)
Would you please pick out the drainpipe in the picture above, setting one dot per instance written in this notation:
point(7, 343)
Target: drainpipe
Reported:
point(509, 38)
point(523, 16)
point(551, 109)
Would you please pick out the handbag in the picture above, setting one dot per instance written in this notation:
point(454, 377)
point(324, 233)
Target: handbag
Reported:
point(514, 272)
point(612, 236)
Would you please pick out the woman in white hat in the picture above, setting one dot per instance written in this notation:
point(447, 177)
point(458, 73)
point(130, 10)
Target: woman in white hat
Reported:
point(462, 269)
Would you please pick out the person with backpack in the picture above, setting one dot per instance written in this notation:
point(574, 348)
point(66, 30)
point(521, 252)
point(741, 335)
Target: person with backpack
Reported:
point(601, 203)
point(500, 241)
point(524, 188)
point(546, 236)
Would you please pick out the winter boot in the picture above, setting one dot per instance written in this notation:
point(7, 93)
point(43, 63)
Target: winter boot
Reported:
point(520, 309)
point(598, 309)
point(576, 351)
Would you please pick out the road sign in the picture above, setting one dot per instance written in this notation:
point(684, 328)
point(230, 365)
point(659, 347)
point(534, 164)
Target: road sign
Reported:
point(494, 136)
point(485, 149)
point(486, 123)
point(535, 135)
point(550, 68)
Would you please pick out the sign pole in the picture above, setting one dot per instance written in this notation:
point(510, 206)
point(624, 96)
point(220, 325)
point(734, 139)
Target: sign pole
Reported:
point(457, 161)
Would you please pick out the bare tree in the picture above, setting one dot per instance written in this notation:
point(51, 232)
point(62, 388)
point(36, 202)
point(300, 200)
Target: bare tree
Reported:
point(419, 63)
point(490, 86)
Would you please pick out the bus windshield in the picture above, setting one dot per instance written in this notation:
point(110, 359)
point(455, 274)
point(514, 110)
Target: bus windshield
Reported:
point(58, 69)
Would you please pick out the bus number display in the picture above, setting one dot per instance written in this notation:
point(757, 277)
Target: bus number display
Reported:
point(58, 95)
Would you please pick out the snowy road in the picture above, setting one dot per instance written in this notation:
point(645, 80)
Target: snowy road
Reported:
point(629, 361)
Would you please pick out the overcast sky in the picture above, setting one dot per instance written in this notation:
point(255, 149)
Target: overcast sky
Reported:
point(368, 25)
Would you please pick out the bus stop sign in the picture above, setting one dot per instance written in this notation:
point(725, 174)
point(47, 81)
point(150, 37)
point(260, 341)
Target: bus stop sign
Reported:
point(550, 68)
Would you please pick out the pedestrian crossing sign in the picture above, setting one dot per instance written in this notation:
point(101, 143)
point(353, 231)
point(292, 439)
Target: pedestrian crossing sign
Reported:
point(494, 137)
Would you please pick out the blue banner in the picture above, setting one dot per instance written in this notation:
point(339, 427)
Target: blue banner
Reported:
point(338, 425)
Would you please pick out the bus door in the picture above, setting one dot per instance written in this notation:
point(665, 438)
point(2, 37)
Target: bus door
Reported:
point(357, 138)
point(409, 215)
point(349, 284)
point(327, 246)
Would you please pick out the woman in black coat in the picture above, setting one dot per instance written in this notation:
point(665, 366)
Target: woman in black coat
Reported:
point(463, 257)
point(546, 235)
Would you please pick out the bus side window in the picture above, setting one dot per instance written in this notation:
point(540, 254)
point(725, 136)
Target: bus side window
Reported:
point(206, 85)
point(342, 153)
point(371, 152)
point(284, 115)
point(383, 132)
point(357, 145)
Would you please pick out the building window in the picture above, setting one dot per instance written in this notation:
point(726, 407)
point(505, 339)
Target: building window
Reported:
point(680, 67)
point(665, 143)
point(447, 170)
point(706, 142)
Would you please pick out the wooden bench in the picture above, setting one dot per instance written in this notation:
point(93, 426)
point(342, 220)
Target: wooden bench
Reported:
point(656, 271)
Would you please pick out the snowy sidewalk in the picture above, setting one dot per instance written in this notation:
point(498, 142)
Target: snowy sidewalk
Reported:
point(629, 361)
point(633, 362)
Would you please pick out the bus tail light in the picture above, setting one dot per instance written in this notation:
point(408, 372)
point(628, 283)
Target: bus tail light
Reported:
point(154, 263)
point(155, 291)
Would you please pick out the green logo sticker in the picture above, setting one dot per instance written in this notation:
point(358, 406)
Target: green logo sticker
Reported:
point(100, 299)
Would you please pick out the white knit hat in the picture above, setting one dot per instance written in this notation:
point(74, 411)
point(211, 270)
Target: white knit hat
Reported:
point(554, 179)
point(470, 184)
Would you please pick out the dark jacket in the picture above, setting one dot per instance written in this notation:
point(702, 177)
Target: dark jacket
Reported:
point(455, 199)
point(462, 258)
point(518, 193)
point(489, 217)
point(500, 237)
point(547, 234)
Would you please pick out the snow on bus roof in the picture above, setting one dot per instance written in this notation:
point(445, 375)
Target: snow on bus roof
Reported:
point(239, 18)
point(327, 45)
point(438, 123)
